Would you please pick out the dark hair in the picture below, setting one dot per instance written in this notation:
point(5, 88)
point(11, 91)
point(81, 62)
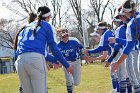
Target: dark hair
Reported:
point(102, 24)
point(32, 17)
point(41, 10)
point(109, 26)
point(117, 17)
point(125, 25)
point(119, 9)
point(131, 4)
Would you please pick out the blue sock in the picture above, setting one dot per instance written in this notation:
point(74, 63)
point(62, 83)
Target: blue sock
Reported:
point(114, 82)
point(137, 89)
point(20, 90)
point(123, 85)
point(129, 85)
point(69, 89)
point(117, 85)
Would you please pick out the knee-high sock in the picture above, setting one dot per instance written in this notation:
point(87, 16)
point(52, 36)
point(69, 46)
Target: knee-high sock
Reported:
point(114, 84)
point(123, 85)
point(137, 88)
point(21, 90)
point(70, 89)
point(117, 85)
point(129, 85)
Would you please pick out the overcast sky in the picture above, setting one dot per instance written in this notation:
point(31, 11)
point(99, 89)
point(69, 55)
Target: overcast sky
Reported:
point(5, 13)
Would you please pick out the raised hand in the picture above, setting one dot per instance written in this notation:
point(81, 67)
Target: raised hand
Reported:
point(86, 51)
point(87, 59)
point(56, 66)
point(106, 64)
point(48, 65)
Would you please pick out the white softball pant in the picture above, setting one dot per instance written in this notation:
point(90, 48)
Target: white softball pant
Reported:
point(132, 66)
point(75, 77)
point(31, 68)
point(122, 72)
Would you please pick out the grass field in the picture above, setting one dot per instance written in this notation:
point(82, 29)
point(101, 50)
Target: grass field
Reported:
point(95, 79)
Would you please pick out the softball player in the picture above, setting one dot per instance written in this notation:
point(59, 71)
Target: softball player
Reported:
point(132, 38)
point(122, 73)
point(32, 41)
point(70, 50)
point(32, 17)
point(105, 55)
point(105, 46)
point(96, 37)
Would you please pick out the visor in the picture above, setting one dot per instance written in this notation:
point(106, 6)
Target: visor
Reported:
point(47, 14)
point(121, 13)
point(94, 34)
point(116, 20)
point(100, 27)
point(127, 9)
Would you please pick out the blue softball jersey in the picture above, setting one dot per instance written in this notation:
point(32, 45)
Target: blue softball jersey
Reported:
point(120, 34)
point(27, 42)
point(132, 42)
point(70, 50)
point(104, 44)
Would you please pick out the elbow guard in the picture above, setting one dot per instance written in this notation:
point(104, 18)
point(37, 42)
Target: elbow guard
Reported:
point(112, 56)
point(115, 52)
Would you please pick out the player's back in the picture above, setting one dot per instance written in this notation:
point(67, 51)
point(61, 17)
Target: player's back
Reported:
point(28, 42)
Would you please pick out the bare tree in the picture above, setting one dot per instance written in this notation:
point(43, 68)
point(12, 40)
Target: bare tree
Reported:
point(7, 33)
point(99, 6)
point(56, 10)
point(30, 5)
point(76, 6)
point(112, 9)
point(137, 2)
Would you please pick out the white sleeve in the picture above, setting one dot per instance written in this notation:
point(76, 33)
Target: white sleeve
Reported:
point(101, 40)
point(128, 33)
point(74, 38)
point(117, 32)
point(54, 34)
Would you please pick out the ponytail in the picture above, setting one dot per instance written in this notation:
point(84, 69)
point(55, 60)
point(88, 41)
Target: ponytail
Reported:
point(38, 24)
point(135, 19)
point(41, 16)
point(125, 25)
point(32, 17)
point(16, 39)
